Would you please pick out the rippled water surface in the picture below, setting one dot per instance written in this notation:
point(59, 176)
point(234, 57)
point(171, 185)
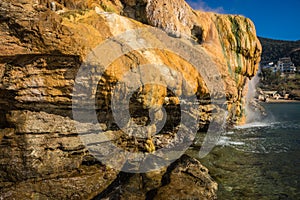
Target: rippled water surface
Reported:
point(260, 160)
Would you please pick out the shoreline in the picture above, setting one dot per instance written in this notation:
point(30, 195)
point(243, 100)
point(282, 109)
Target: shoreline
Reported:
point(281, 101)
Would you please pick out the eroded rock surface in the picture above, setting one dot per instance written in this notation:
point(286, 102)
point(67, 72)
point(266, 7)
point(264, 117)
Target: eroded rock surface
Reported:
point(184, 179)
point(229, 39)
point(44, 43)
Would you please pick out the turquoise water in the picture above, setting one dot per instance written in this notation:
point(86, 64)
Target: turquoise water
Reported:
point(260, 160)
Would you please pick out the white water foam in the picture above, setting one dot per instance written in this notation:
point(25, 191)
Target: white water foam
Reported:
point(253, 125)
point(225, 141)
point(229, 133)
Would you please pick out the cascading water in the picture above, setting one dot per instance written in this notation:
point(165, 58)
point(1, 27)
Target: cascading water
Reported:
point(254, 111)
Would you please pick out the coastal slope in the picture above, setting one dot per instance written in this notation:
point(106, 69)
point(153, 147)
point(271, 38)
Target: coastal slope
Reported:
point(43, 46)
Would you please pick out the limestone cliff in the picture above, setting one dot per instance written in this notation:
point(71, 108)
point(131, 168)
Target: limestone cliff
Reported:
point(229, 39)
point(44, 43)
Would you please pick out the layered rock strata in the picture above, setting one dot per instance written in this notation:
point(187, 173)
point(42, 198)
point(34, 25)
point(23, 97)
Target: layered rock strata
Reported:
point(43, 46)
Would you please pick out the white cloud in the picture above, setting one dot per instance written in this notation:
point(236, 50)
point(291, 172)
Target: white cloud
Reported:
point(201, 5)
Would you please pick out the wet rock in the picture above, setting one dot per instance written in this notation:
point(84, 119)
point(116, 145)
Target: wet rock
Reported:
point(184, 179)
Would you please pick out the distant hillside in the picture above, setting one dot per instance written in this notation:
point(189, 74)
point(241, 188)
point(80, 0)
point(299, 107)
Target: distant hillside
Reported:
point(275, 49)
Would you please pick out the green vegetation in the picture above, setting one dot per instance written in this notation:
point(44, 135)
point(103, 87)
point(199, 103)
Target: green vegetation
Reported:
point(272, 51)
point(275, 49)
point(289, 83)
point(238, 70)
point(73, 13)
point(107, 8)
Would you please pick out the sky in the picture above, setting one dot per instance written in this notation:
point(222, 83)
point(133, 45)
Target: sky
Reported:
point(275, 19)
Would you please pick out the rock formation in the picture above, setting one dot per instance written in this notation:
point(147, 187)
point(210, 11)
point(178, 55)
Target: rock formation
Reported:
point(229, 39)
point(170, 183)
point(44, 43)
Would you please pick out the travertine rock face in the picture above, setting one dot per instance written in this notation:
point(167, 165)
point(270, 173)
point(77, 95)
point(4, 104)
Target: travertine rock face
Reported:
point(42, 46)
point(229, 39)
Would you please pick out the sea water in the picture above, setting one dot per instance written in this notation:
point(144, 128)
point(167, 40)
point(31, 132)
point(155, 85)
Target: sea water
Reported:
point(259, 160)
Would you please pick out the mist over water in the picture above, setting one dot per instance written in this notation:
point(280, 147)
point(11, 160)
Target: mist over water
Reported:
point(251, 114)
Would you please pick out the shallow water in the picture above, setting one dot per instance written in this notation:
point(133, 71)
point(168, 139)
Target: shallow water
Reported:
point(260, 160)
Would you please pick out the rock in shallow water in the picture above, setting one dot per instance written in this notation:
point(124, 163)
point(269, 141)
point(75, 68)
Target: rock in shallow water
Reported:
point(184, 179)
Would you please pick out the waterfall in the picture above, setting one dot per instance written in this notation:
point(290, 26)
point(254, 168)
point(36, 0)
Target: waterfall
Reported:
point(253, 110)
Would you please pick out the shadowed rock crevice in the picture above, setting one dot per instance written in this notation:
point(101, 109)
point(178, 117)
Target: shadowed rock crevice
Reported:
point(197, 33)
point(174, 182)
point(135, 9)
point(111, 191)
